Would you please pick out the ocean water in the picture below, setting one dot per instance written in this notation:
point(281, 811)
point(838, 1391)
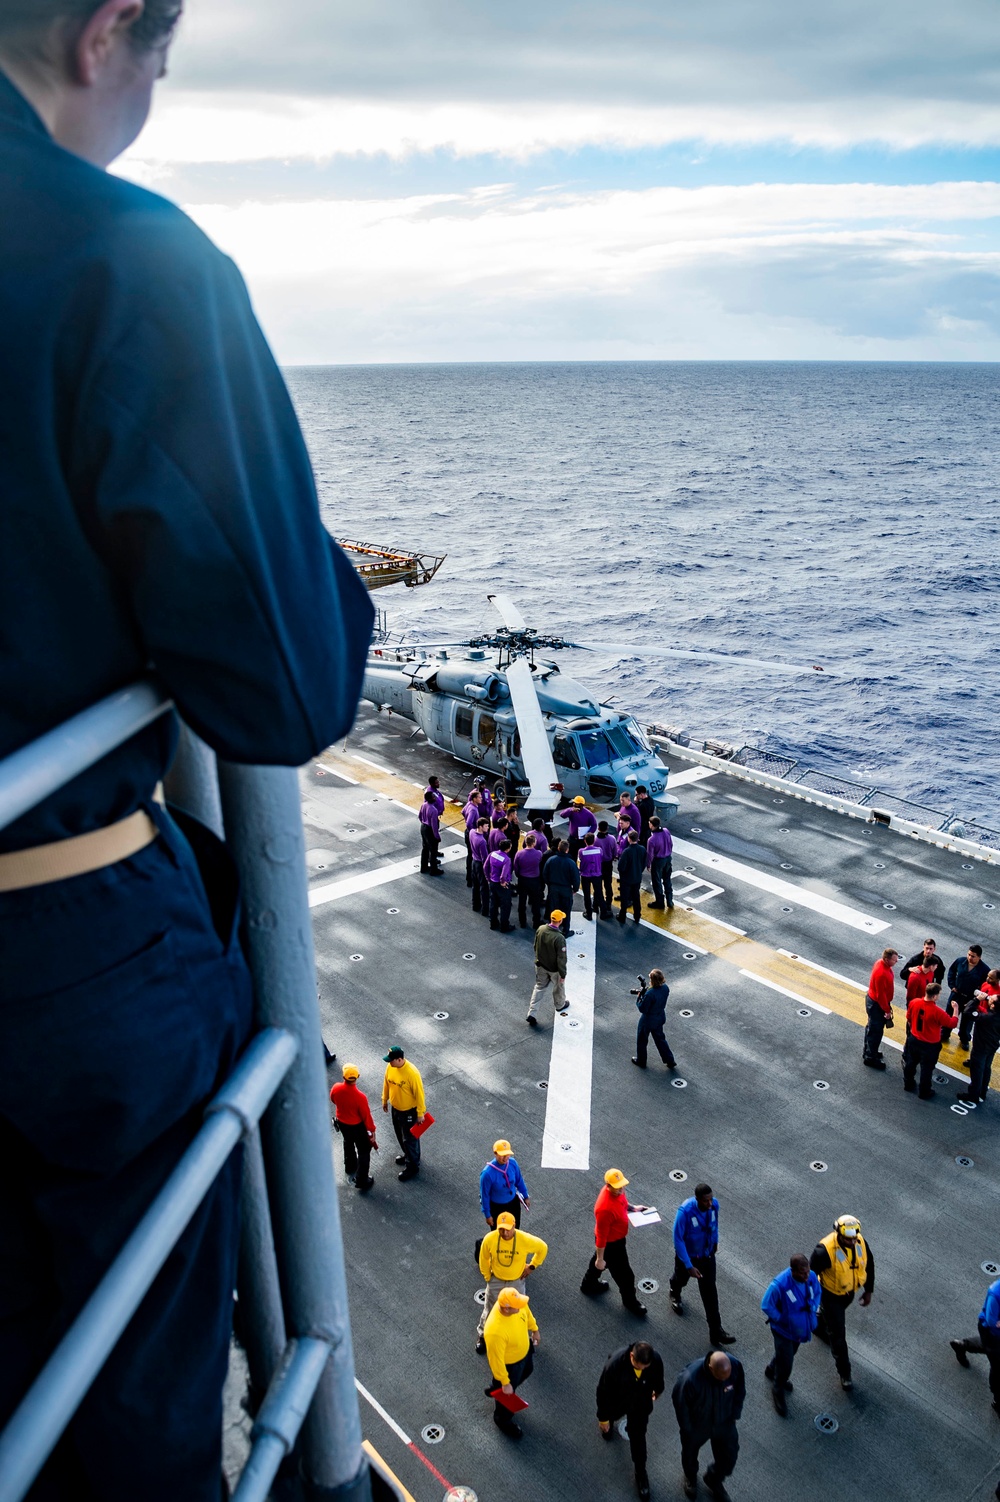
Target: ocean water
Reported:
point(843, 514)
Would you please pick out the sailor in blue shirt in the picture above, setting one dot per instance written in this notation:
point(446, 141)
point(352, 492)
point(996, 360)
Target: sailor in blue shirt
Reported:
point(159, 513)
point(502, 1186)
point(791, 1308)
point(987, 1343)
point(696, 1238)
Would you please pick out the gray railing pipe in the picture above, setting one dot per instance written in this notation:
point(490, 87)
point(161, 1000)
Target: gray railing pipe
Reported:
point(41, 768)
point(263, 817)
point(261, 1318)
point(53, 1398)
point(280, 1419)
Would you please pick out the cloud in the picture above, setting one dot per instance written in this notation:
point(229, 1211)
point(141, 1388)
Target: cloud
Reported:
point(770, 270)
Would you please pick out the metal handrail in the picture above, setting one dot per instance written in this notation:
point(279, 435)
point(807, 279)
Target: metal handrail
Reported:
point(60, 1387)
point(309, 1379)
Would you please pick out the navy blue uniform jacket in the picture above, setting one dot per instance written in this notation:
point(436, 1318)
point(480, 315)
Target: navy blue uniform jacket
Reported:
point(158, 505)
point(703, 1405)
point(653, 1005)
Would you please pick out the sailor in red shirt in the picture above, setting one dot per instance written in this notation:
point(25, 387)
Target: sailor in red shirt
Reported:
point(919, 979)
point(878, 1005)
point(925, 1023)
point(354, 1122)
point(610, 1231)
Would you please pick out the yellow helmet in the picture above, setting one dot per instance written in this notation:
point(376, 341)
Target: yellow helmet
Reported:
point(847, 1225)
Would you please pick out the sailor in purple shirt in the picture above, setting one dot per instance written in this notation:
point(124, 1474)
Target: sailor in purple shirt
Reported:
point(498, 874)
point(471, 813)
point(629, 814)
point(659, 861)
point(498, 833)
point(486, 797)
point(480, 852)
point(607, 843)
point(538, 826)
point(581, 821)
point(528, 869)
point(433, 792)
point(430, 837)
point(591, 861)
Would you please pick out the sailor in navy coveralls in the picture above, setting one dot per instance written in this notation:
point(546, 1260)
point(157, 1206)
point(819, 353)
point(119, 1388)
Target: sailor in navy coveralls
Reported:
point(158, 512)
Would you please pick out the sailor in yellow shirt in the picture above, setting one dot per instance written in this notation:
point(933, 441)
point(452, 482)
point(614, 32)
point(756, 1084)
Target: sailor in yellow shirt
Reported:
point(506, 1257)
point(403, 1089)
point(511, 1337)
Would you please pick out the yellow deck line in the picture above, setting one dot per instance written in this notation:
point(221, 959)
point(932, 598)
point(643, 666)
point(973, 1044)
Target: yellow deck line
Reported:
point(386, 1471)
point(811, 984)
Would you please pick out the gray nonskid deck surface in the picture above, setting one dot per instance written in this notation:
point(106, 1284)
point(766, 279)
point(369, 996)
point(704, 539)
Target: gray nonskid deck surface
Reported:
point(750, 1121)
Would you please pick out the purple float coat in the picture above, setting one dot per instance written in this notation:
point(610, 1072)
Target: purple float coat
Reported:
point(658, 846)
point(579, 819)
point(429, 815)
point(436, 796)
point(498, 867)
point(478, 846)
point(591, 860)
point(607, 844)
point(528, 862)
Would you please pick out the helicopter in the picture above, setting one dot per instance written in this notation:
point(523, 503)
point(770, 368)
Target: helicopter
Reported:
point(501, 709)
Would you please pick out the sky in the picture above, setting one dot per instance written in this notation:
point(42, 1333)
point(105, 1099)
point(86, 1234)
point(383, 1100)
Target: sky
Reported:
point(448, 180)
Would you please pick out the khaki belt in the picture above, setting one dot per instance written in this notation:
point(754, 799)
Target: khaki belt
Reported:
point(78, 855)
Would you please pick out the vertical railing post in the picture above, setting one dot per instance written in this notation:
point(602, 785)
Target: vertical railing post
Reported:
point(263, 820)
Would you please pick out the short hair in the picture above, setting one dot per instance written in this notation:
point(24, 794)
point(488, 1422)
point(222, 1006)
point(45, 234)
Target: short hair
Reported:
point(564, 847)
point(475, 794)
point(656, 977)
point(933, 989)
point(632, 835)
point(538, 824)
point(602, 826)
point(887, 954)
point(529, 841)
point(798, 1259)
point(977, 949)
point(925, 961)
point(505, 844)
point(24, 24)
point(654, 823)
point(701, 1189)
point(643, 1352)
point(588, 838)
point(931, 942)
point(993, 977)
point(481, 822)
point(502, 822)
point(641, 788)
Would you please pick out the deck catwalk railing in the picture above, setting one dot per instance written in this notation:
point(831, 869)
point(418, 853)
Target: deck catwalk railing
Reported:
point(291, 1285)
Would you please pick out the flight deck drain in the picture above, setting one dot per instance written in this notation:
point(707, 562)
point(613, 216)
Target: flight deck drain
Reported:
point(685, 1012)
point(565, 1147)
point(818, 1166)
point(440, 1016)
point(648, 1285)
point(787, 866)
point(991, 1269)
point(573, 1022)
point(821, 1084)
point(679, 1084)
point(392, 911)
point(432, 1434)
point(890, 907)
point(940, 1079)
point(480, 1295)
point(964, 1162)
point(786, 910)
point(989, 906)
point(541, 1084)
point(689, 954)
point(357, 957)
point(880, 865)
point(677, 1176)
point(826, 1423)
point(803, 1012)
point(696, 829)
point(460, 1494)
point(468, 956)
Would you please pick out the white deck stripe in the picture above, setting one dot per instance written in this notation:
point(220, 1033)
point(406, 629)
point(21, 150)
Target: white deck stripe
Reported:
point(566, 1138)
point(765, 882)
point(690, 774)
point(956, 1074)
point(382, 1413)
point(803, 1001)
point(331, 891)
point(833, 974)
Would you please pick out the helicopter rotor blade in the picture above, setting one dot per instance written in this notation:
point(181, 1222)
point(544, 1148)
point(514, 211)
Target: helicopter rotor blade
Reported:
point(536, 753)
point(508, 612)
point(631, 649)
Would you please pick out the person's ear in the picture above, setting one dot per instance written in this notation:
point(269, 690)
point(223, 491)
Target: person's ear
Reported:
point(100, 38)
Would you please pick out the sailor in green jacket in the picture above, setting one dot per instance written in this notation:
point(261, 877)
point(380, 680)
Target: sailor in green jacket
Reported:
point(550, 965)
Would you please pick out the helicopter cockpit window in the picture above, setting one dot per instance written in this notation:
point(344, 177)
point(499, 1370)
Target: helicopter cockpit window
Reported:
point(639, 735)
point(595, 748)
point(463, 724)
point(487, 733)
point(564, 753)
point(624, 744)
